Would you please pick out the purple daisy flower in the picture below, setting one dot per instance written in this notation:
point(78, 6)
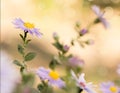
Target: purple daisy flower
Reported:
point(75, 61)
point(27, 27)
point(109, 87)
point(52, 77)
point(100, 14)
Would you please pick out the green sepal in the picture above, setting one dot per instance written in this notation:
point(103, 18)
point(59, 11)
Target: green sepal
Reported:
point(20, 49)
point(30, 56)
point(96, 21)
point(18, 63)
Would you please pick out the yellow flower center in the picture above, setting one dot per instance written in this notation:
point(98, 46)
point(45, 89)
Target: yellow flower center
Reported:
point(29, 25)
point(113, 89)
point(54, 75)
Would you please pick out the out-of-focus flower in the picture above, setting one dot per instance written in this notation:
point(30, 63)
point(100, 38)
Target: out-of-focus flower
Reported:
point(52, 77)
point(109, 87)
point(90, 42)
point(118, 69)
point(83, 32)
point(75, 61)
point(81, 82)
point(55, 36)
point(9, 77)
point(100, 15)
point(66, 47)
point(27, 27)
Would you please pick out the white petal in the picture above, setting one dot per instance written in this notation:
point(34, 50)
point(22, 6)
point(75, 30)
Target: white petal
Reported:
point(74, 76)
point(81, 78)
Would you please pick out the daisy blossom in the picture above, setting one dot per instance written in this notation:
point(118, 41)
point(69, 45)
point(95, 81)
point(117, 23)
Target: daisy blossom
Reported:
point(51, 76)
point(27, 27)
point(81, 82)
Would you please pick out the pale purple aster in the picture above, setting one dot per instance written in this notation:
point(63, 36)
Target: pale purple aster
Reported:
point(119, 90)
point(8, 74)
point(118, 69)
point(109, 87)
point(51, 76)
point(83, 31)
point(81, 82)
point(100, 15)
point(27, 27)
point(66, 47)
point(75, 61)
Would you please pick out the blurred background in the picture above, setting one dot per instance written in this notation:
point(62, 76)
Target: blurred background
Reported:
point(101, 59)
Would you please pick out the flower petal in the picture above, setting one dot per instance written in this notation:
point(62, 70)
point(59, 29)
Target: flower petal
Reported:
point(74, 76)
point(59, 83)
point(81, 78)
point(96, 9)
point(43, 73)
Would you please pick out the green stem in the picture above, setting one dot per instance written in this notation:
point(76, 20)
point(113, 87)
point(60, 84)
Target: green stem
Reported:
point(80, 90)
point(92, 23)
point(25, 36)
point(24, 68)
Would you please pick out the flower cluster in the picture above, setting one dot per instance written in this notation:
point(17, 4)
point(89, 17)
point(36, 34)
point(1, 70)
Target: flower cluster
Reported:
point(73, 78)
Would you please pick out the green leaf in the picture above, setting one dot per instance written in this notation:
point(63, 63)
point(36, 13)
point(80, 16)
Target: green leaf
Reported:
point(30, 56)
point(17, 63)
point(28, 41)
point(20, 49)
point(21, 36)
point(58, 46)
